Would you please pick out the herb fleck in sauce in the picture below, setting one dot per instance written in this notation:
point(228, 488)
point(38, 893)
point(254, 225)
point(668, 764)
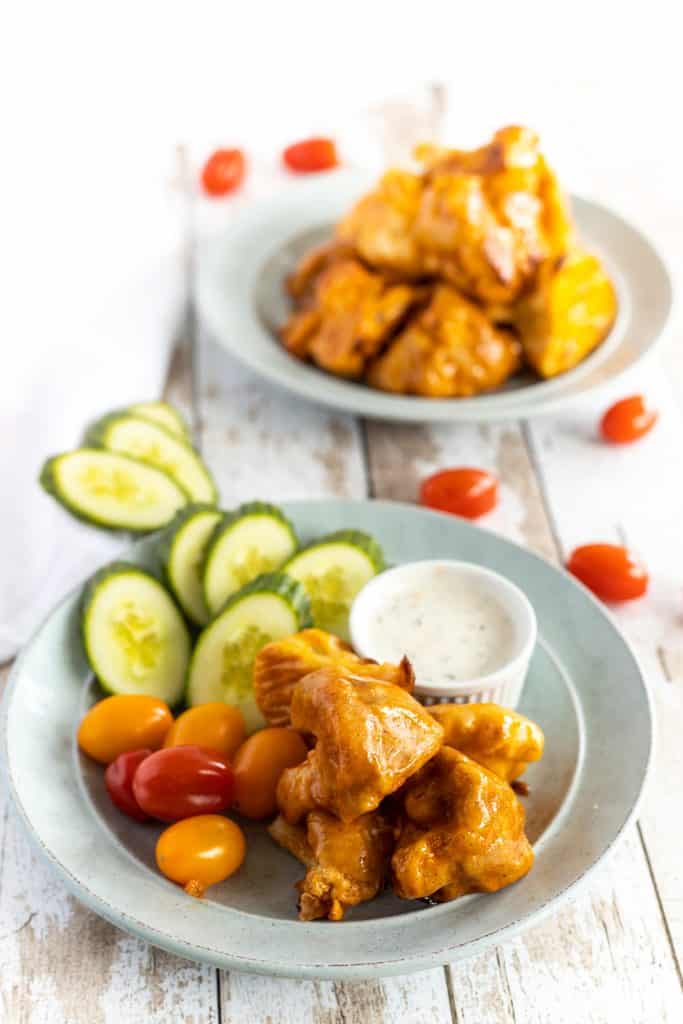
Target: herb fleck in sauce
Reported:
point(450, 626)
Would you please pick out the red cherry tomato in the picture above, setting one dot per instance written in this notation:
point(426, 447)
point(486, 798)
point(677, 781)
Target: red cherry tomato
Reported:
point(223, 172)
point(311, 155)
point(628, 420)
point(463, 492)
point(610, 571)
point(118, 779)
point(179, 782)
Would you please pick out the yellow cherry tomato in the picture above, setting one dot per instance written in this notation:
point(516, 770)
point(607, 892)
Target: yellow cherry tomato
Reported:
point(258, 765)
point(198, 852)
point(216, 726)
point(120, 724)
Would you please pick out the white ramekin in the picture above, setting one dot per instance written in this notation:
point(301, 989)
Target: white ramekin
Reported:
point(504, 686)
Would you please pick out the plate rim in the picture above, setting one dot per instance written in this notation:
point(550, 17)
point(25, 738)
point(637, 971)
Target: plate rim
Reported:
point(312, 970)
point(373, 404)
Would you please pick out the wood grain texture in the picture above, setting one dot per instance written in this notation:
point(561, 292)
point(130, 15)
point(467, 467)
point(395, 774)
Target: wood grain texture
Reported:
point(602, 958)
point(636, 497)
point(264, 443)
point(413, 999)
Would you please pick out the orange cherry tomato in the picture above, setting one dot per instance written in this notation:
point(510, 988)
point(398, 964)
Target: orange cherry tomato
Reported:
point(311, 155)
point(198, 852)
point(258, 765)
point(462, 492)
point(216, 726)
point(609, 570)
point(123, 723)
point(628, 420)
point(223, 172)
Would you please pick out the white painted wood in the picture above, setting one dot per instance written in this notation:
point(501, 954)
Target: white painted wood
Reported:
point(634, 494)
point(401, 456)
point(415, 999)
point(264, 443)
point(603, 958)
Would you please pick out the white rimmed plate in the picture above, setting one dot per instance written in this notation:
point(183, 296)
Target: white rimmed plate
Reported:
point(584, 688)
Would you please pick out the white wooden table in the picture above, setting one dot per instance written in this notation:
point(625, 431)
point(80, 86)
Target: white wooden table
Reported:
point(611, 955)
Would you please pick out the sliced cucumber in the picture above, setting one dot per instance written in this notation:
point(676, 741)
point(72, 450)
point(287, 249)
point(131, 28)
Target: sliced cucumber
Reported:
point(163, 414)
point(182, 552)
point(271, 607)
point(134, 635)
point(112, 490)
point(333, 570)
point(255, 539)
point(133, 435)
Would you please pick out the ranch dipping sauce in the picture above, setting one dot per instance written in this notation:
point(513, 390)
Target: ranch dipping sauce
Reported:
point(468, 631)
point(451, 628)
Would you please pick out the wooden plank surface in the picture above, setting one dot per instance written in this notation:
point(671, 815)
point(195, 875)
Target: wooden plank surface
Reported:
point(636, 497)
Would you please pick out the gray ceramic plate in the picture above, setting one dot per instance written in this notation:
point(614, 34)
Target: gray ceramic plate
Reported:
point(584, 688)
point(242, 302)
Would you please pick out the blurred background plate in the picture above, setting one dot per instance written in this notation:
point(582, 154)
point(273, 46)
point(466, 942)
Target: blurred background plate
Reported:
point(241, 301)
point(585, 689)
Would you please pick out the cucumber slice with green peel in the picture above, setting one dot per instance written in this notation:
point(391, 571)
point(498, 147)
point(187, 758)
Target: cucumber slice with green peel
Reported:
point(256, 538)
point(112, 490)
point(142, 439)
point(333, 569)
point(163, 414)
point(182, 552)
point(271, 607)
point(134, 636)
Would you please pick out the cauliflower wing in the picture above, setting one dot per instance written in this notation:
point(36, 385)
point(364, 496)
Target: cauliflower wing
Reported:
point(351, 315)
point(448, 350)
point(568, 314)
point(281, 664)
point(501, 740)
point(490, 217)
point(370, 737)
point(347, 862)
point(380, 225)
point(463, 831)
point(301, 282)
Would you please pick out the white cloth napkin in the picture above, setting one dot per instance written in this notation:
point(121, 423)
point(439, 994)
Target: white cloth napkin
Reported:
point(105, 308)
point(116, 352)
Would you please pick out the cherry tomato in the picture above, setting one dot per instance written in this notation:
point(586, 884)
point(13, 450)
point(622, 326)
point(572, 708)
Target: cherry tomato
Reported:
point(183, 781)
point(216, 726)
point(118, 779)
point(463, 492)
point(628, 420)
point(315, 154)
point(223, 172)
point(120, 724)
point(610, 571)
point(258, 765)
point(200, 851)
